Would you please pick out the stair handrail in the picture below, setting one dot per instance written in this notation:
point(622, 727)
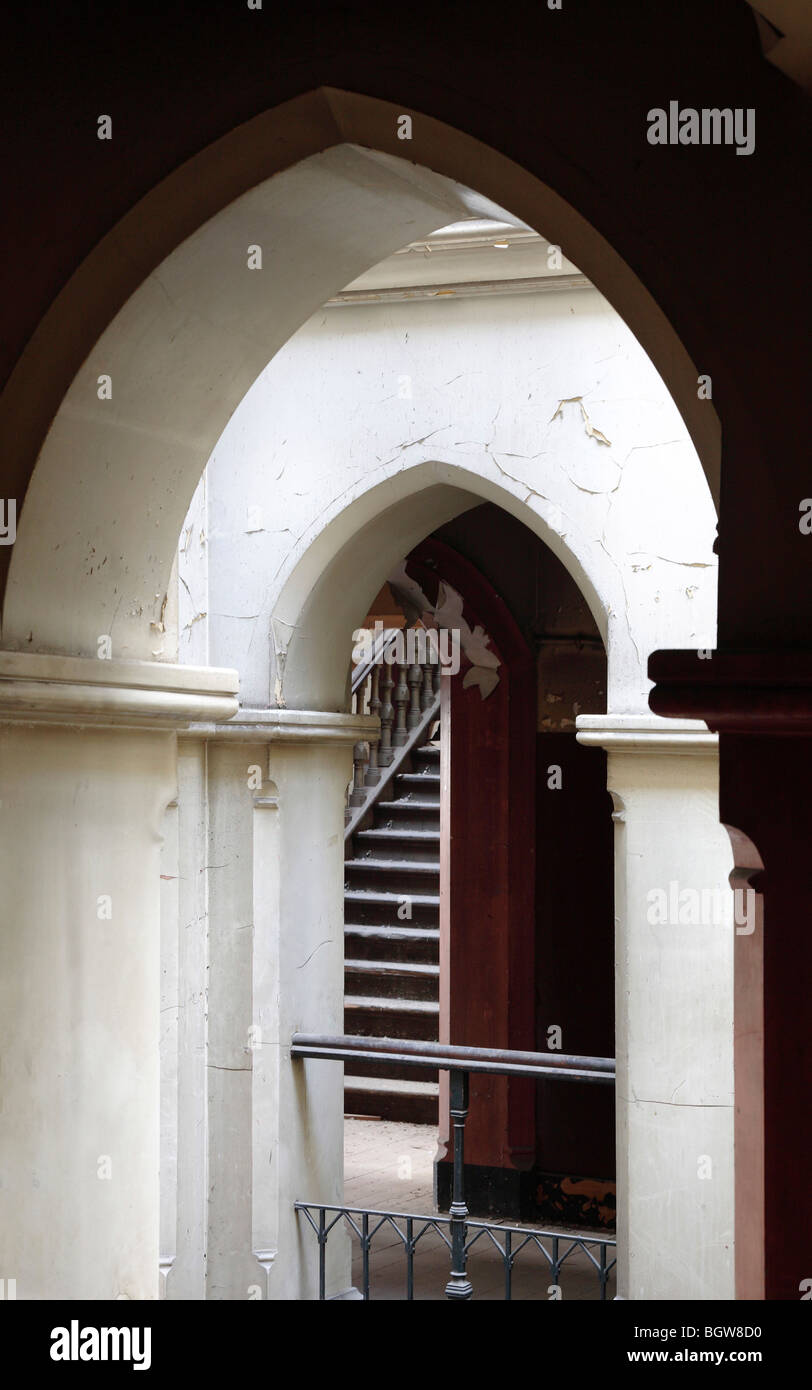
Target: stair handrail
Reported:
point(380, 646)
point(406, 700)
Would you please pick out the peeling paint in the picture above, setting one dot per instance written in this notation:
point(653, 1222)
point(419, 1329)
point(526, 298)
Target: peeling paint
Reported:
point(591, 431)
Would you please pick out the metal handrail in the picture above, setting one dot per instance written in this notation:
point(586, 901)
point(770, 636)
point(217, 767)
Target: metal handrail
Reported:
point(446, 1221)
point(452, 1057)
point(459, 1062)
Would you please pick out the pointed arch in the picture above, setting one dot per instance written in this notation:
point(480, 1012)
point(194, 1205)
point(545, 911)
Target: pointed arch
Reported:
point(167, 307)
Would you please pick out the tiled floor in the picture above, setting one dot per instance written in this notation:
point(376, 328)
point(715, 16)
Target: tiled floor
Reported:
point(388, 1167)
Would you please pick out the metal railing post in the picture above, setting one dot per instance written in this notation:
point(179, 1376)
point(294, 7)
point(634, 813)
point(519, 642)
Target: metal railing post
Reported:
point(365, 1255)
point(409, 1258)
point(322, 1256)
point(508, 1267)
point(458, 1286)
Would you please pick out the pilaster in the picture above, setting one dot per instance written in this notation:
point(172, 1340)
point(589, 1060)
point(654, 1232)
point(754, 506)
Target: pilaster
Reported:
point(274, 786)
point(674, 1007)
point(87, 770)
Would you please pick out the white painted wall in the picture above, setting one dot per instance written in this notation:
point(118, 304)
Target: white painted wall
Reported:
point(467, 392)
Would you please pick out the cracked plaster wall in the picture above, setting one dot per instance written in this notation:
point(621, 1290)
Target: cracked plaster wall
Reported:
point(545, 404)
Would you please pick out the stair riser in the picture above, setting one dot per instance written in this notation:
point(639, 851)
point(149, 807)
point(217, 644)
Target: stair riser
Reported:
point(403, 850)
point(411, 1110)
point(417, 787)
point(390, 1071)
point(401, 880)
point(426, 757)
point(404, 817)
point(386, 914)
point(413, 952)
point(368, 1023)
point(391, 986)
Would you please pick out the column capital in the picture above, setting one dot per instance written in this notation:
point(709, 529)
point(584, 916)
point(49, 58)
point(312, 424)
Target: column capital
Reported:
point(43, 688)
point(290, 726)
point(645, 733)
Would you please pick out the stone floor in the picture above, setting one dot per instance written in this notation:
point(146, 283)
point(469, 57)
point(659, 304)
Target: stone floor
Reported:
point(388, 1166)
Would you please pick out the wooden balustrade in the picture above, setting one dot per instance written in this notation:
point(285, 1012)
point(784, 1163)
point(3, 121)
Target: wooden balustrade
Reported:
point(414, 680)
point(373, 772)
point(400, 696)
point(386, 752)
point(400, 732)
point(360, 758)
point(427, 692)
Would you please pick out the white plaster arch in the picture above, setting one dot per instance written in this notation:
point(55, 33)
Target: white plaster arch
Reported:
point(113, 481)
point(350, 554)
point(114, 478)
point(313, 495)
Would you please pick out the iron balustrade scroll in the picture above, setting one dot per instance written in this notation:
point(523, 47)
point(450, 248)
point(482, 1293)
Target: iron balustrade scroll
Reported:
point(456, 1230)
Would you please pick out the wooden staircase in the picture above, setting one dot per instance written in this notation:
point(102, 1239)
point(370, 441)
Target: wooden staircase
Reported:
point(391, 926)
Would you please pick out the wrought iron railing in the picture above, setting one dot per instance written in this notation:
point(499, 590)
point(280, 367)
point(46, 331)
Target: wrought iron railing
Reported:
point(463, 1234)
point(410, 1227)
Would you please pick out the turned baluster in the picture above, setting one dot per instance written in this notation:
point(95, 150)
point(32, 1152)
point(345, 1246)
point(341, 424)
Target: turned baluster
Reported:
point(415, 679)
point(360, 757)
point(438, 671)
point(374, 692)
point(399, 734)
point(385, 753)
point(427, 694)
point(373, 771)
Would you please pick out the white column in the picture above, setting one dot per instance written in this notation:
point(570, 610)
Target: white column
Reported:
point(170, 1012)
point(271, 1129)
point(185, 939)
point(87, 769)
point(674, 1008)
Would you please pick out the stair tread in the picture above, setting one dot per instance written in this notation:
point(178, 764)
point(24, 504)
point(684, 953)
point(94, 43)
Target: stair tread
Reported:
point(383, 1084)
point(397, 833)
point(401, 839)
point(408, 866)
point(372, 895)
point(393, 967)
point(411, 804)
point(385, 933)
point(400, 1006)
